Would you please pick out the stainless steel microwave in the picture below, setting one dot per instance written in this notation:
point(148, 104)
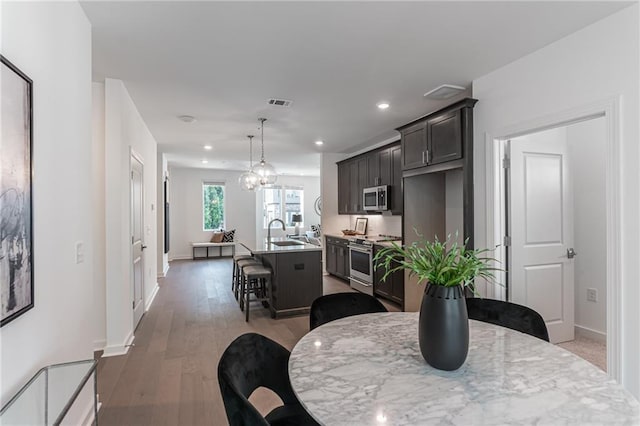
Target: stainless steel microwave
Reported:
point(376, 198)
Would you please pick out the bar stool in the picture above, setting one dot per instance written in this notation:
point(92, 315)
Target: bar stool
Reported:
point(257, 281)
point(239, 278)
point(236, 271)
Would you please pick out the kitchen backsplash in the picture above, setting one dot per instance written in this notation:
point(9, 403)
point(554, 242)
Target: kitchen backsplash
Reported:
point(378, 224)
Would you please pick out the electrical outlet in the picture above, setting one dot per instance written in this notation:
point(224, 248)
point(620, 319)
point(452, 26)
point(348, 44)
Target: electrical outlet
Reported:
point(592, 295)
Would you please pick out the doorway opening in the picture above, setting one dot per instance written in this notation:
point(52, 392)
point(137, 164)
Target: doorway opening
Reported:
point(137, 238)
point(563, 204)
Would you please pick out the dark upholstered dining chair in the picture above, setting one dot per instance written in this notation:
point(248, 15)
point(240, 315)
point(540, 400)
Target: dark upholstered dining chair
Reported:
point(509, 315)
point(335, 306)
point(252, 361)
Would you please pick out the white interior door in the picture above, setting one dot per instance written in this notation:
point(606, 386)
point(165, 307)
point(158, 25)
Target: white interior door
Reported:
point(541, 272)
point(137, 235)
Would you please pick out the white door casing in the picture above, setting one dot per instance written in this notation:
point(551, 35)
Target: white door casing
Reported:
point(541, 229)
point(137, 238)
point(609, 108)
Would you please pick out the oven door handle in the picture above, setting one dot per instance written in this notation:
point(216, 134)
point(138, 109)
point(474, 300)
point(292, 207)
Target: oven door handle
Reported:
point(360, 250)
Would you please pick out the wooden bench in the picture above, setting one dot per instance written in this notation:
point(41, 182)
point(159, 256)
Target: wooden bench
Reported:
point(206, 246)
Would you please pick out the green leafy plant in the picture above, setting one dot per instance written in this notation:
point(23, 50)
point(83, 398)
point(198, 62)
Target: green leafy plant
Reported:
point(440, 263)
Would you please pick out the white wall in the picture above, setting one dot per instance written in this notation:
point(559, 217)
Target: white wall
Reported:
point(378, 224)
point(332, 222)
point(163, 258)
point(51, 43)
point(311, 186)
point(591, 65)
point(587, 153)
point(99, 216)
point(186, 222)
point(125, 131)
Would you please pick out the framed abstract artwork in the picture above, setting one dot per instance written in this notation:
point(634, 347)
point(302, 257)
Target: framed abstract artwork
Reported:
point(16, 205)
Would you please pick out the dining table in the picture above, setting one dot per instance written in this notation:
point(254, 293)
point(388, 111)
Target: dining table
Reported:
point(368, 370)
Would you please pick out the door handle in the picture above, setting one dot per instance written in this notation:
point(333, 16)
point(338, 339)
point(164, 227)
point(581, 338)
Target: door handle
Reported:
point(142, 248)
point(571, 253)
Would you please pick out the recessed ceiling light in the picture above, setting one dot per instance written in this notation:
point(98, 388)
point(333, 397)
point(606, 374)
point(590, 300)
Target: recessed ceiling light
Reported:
point(208, 147)
point(383, 105)
point(319, 143)
point(205, 161)
point(187, 118)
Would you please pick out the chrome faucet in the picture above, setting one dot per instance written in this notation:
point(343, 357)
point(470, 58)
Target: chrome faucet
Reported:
point(269, 228)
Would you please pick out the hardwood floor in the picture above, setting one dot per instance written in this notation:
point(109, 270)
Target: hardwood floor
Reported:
point(170, 376)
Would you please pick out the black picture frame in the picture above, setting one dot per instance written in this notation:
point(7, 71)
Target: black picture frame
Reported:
point(16, 194)
point(361, 226)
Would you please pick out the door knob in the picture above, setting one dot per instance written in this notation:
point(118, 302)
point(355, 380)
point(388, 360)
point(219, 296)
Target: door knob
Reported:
point(571, 253)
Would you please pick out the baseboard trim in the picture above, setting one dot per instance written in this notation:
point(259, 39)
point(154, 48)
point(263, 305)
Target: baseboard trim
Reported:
point(590, 333)
point(117, 350)
point(98, 345)
point(151, 298)
point(181, 258)
point(163, 274)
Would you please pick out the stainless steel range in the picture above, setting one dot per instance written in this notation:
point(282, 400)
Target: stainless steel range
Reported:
point(361, 262)
point(361, 265)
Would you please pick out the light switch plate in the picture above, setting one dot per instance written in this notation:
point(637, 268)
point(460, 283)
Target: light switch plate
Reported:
point(79, 252)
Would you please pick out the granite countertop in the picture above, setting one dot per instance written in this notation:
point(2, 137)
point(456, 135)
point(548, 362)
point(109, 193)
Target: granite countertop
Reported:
point(264, 247)
point(340, 235)
point(368, 370)
point(375, 243)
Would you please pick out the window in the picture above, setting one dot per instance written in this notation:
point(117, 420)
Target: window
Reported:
point(282, 203)
point(213, 206)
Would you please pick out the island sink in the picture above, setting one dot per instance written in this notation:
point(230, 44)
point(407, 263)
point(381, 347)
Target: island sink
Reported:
point(287, 243)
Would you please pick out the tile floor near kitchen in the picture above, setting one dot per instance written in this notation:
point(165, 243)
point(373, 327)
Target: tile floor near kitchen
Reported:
point(170, 376)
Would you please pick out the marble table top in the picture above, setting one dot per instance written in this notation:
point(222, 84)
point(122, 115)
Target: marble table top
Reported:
point(368, 370)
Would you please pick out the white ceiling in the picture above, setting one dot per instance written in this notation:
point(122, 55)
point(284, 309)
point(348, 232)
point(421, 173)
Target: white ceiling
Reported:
point(221, 61)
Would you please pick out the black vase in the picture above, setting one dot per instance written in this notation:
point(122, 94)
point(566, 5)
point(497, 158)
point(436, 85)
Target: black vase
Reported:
point(444, 327)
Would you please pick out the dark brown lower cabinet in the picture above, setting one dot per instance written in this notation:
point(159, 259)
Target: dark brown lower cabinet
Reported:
point(337, 257)
point(393, 287)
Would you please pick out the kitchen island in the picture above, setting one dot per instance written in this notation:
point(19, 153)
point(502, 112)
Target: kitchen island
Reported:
point(296, 274)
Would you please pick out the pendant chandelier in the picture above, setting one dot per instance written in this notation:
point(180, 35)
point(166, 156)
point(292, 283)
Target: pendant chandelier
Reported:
point(250, 180)
point(265, 170)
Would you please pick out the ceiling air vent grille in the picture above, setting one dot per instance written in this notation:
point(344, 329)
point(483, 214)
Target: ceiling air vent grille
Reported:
point(444, 91)
point(280, 102)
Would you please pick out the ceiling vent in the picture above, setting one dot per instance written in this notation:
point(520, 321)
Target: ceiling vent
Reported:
point(444, 91)
point(280, 102)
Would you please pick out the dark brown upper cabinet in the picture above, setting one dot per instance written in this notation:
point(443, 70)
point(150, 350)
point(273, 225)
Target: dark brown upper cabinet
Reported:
point(396, 197)
point(374, 168)
point(444, 133)
point(343, 188)
point(414, 146)
point(437, 138)
point(379, 167)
